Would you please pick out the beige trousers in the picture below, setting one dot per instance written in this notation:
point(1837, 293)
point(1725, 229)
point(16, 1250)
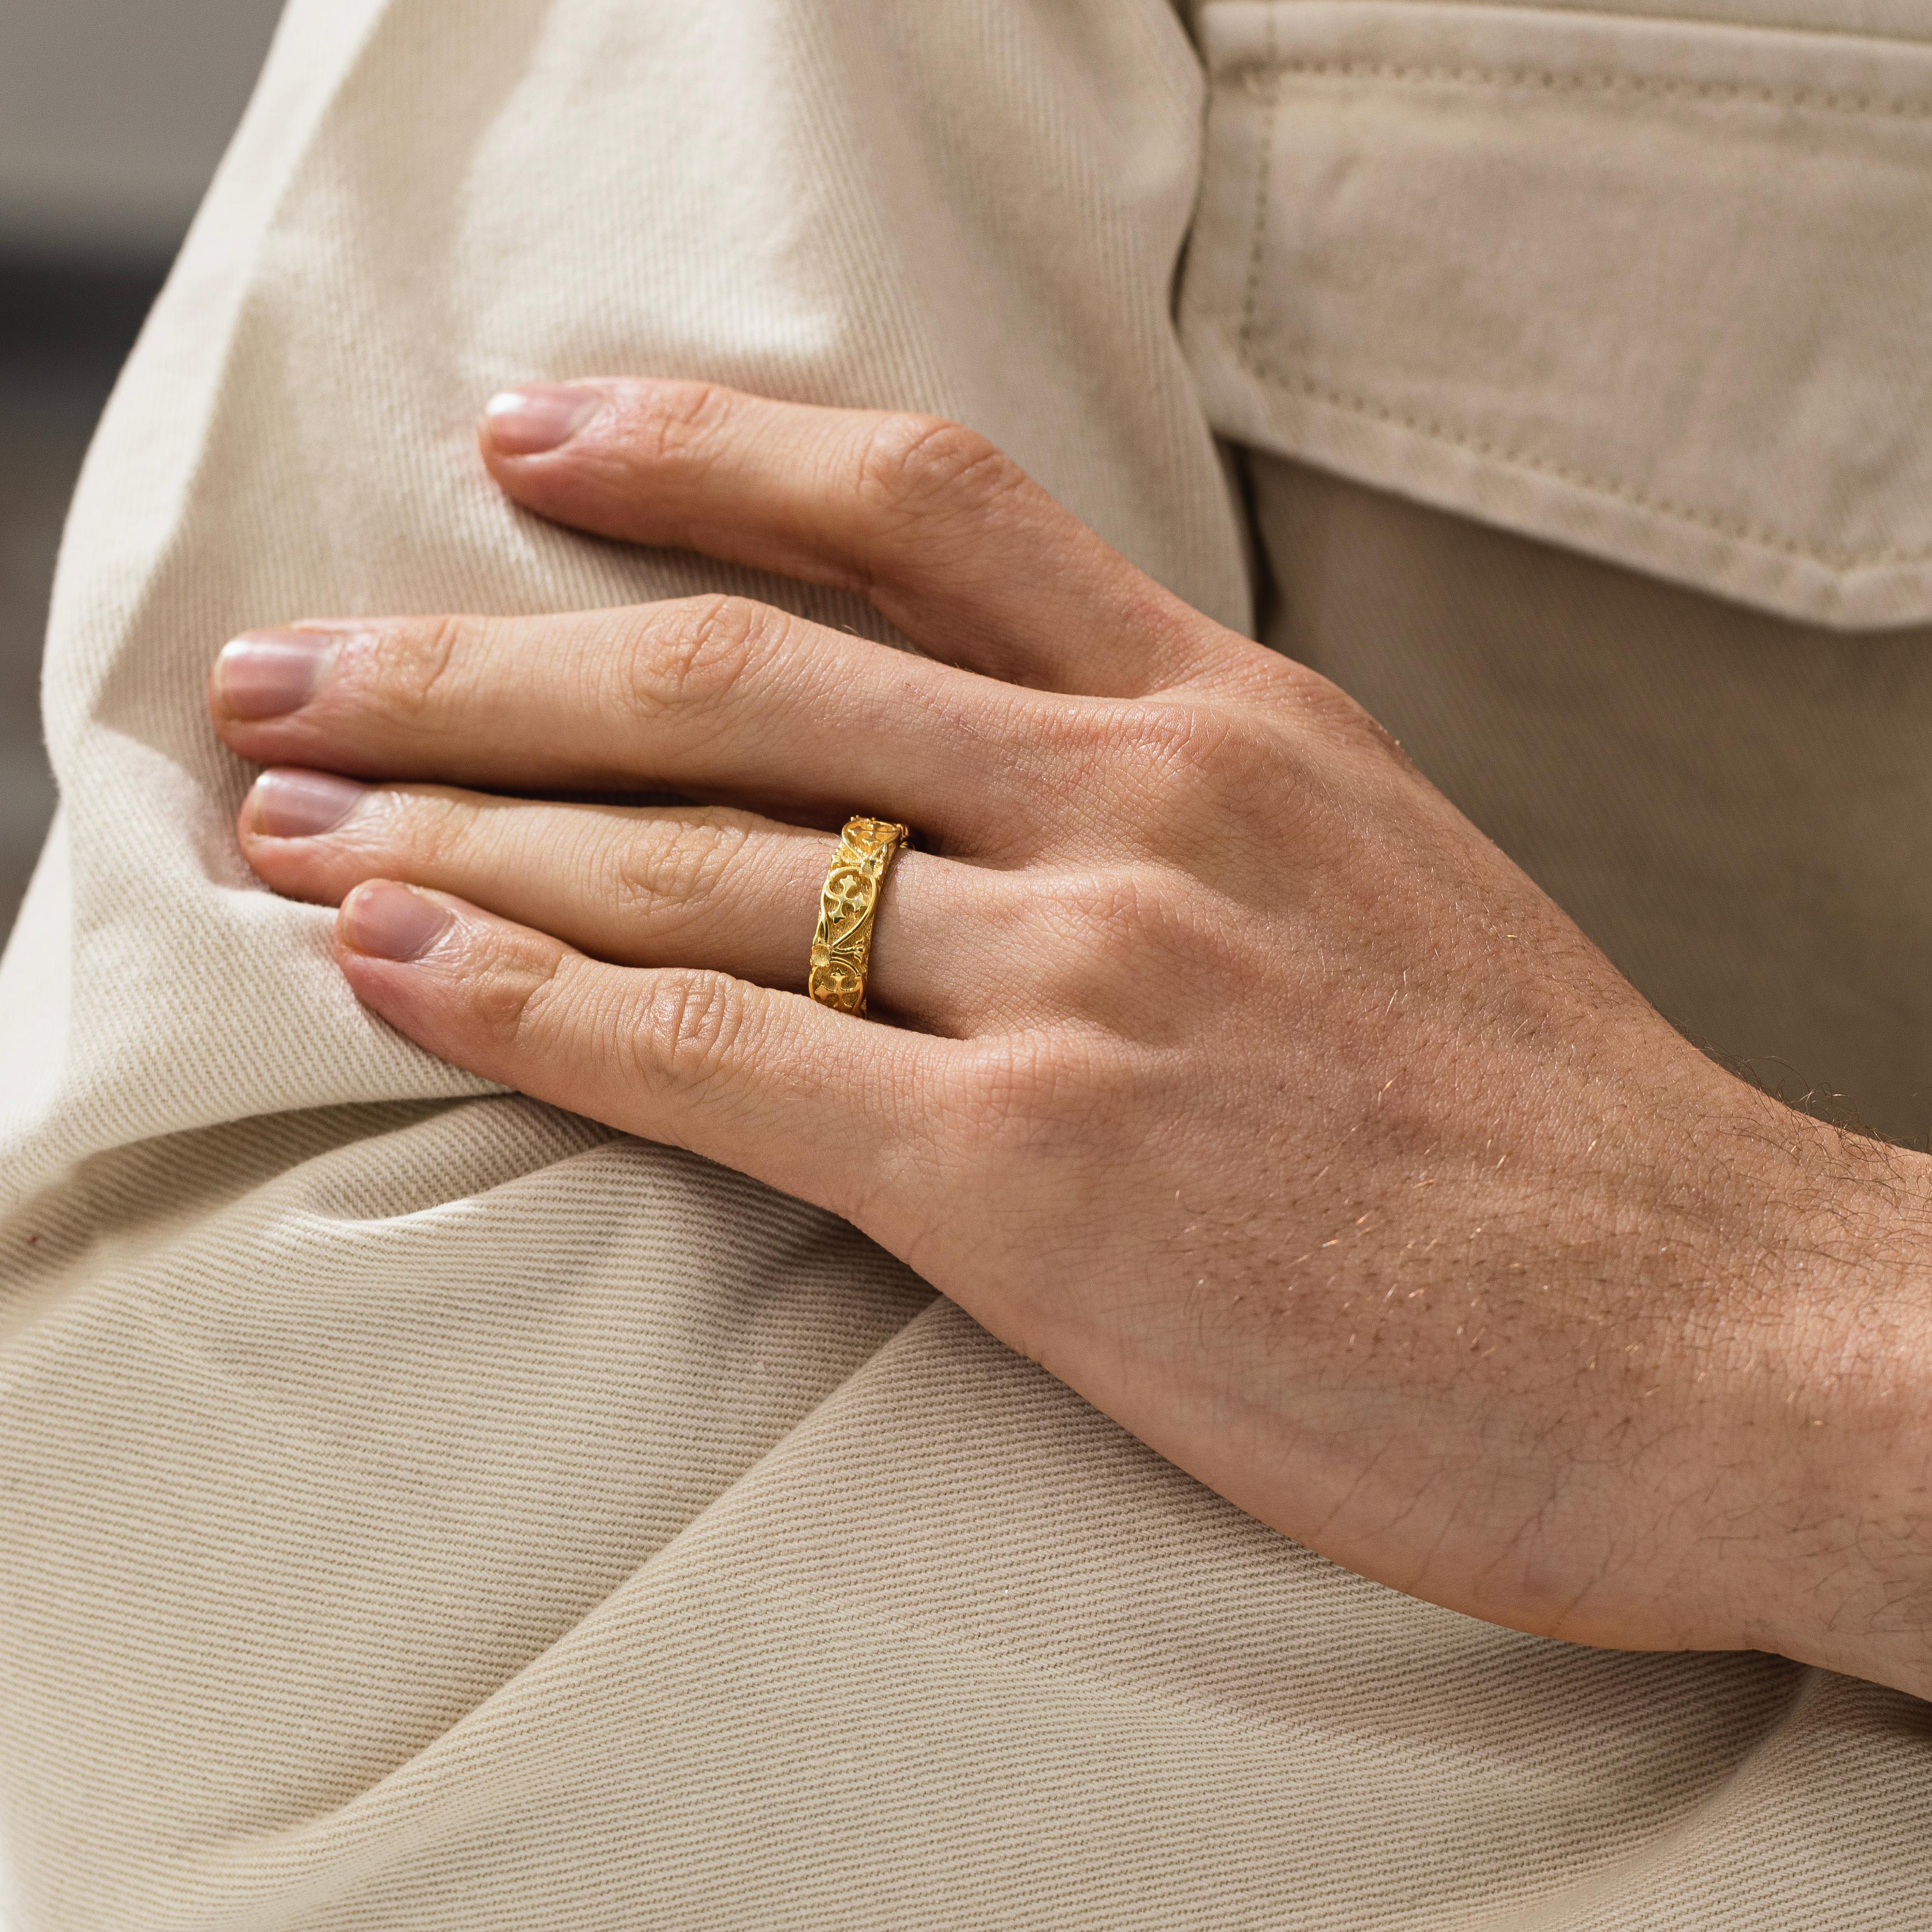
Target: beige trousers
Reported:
point(420, 1509)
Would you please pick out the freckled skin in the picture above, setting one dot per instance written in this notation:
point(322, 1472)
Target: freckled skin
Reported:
point(1226, 1071)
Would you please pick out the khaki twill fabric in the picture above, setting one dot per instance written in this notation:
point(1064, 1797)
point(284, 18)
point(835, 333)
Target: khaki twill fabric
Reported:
point(423, 1510)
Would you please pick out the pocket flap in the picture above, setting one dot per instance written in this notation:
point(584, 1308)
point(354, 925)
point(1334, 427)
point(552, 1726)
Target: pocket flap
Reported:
point(1658, 290)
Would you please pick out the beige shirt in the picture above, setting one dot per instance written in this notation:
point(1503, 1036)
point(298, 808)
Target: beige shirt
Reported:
point(420, 1509)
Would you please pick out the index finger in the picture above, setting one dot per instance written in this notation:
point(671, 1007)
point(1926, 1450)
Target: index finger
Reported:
point(954, 543)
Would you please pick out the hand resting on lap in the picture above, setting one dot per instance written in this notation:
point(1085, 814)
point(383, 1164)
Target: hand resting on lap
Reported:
point(1216, 1061)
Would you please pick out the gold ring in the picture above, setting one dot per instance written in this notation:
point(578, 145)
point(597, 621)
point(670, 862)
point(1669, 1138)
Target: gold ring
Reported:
point(842, 946)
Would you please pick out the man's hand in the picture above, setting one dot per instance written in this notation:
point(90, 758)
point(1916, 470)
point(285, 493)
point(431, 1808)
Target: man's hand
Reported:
point(1236, 1078)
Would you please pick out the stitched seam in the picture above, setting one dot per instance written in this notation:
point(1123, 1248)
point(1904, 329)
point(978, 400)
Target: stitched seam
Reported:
point(1757, 535)
point(1809, 99)
point(1250, 304)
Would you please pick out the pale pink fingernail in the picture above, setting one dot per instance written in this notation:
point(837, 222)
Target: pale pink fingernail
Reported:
point(288, 804)
point(264, 674)
point(538, 417)
point(387, 921)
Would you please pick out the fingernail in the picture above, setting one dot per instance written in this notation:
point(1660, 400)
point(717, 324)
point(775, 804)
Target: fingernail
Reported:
point(527, 422)
point(388, 921)
point(298, 805)
point(264, 674)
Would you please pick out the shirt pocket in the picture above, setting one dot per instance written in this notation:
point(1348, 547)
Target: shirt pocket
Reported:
point(1658, 290)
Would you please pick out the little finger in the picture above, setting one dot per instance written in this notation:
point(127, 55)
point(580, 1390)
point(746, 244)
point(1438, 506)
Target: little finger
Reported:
point(834, 1109)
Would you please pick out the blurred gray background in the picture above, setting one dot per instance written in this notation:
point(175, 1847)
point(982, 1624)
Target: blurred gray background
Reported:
point(113, 116)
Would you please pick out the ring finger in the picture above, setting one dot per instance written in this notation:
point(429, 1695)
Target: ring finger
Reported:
point(637, 887)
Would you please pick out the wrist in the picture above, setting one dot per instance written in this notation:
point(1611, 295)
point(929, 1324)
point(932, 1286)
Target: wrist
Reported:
point(1825, 1555)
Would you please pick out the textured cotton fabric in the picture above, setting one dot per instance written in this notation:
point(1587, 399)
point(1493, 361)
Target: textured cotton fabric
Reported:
point(423, 1511)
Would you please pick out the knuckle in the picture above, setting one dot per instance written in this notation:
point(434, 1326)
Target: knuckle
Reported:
point(675, 422)
point(664, 872)
point(698, 650)
point(1008, 1080)
point(1157, 761)
point(1095, 915)
point(1016, 1098)
point(1192, 761)
point(691, 1021)
point(512, 994)
point(439, 828)
point(1115, 943)
point(921, 464)
point(415, 666)
point(1189, 742)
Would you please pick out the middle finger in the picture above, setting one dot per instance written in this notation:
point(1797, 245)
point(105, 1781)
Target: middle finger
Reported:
point(710, 696)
